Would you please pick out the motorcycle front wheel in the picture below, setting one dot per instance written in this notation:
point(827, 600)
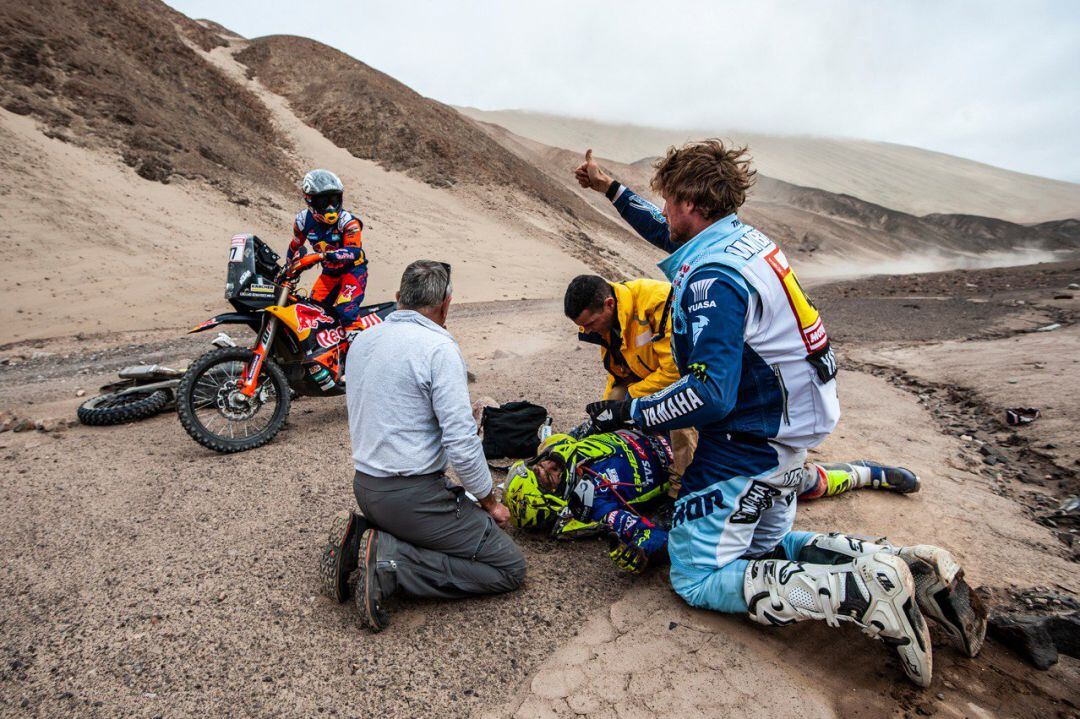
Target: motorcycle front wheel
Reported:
point(217, 415)
point(122, 407)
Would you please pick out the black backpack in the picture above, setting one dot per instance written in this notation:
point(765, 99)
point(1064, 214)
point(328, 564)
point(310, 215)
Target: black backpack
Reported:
point(512, 430)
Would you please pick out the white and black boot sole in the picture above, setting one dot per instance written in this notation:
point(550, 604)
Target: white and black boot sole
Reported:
point(945, 597)
point(893, 614)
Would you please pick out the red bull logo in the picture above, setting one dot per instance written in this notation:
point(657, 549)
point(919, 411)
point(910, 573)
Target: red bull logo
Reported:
point(346, 293)
point(309, 318)
point(330, 337)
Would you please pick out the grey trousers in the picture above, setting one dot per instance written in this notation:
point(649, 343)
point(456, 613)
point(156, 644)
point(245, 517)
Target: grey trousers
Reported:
point(434, 541)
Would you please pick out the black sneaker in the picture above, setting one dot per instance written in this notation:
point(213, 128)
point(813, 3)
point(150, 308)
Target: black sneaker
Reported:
point(339, 556)
point(368, 590)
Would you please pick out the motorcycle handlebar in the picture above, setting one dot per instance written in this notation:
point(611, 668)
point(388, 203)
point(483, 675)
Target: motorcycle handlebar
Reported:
point(293, 270)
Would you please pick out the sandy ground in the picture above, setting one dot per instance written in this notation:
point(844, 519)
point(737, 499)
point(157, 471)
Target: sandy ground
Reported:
point(94, 248)
point(650, 655)
point(146, 576)
point(904, 178)
point(1030, 370)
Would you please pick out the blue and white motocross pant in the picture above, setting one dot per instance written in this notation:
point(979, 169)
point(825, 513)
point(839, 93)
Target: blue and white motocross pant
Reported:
point(716, 531)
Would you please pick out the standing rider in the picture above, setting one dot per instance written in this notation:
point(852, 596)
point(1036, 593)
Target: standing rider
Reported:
point(337, 234)
point(759, 384)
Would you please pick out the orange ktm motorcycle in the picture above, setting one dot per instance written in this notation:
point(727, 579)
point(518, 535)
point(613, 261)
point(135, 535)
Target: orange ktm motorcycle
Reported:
point(234, 398)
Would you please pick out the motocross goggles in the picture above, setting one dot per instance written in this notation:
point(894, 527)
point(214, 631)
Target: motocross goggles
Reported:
point(325, 204)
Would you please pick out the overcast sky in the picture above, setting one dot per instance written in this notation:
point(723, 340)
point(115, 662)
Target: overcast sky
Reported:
point(997, 82)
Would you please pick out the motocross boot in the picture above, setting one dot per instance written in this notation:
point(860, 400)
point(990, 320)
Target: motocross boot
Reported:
point(940, 589)
point(339, 555)
point(839, 477)
point(876, 592)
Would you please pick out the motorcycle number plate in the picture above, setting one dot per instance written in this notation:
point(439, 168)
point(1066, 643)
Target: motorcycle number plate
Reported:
point(236, 249)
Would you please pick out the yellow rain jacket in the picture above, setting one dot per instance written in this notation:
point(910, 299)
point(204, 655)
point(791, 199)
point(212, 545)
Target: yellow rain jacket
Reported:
point(637, 354)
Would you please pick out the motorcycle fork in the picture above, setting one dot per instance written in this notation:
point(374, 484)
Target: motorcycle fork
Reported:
point(250, 382)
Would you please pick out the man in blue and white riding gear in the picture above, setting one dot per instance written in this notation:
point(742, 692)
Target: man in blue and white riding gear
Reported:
point(759, 384)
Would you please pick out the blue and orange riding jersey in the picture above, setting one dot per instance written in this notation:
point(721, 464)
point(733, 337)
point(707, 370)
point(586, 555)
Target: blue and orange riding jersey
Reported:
point(343, 239)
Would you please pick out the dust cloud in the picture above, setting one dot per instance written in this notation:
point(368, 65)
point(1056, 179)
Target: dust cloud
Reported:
point(818, 271)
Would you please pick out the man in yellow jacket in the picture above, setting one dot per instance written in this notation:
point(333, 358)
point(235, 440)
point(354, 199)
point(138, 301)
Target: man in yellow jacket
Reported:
point(631, 322)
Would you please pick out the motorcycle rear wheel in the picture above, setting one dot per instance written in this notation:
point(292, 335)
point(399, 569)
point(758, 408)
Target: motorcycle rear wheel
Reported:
point(122, 407)
point(202, 401)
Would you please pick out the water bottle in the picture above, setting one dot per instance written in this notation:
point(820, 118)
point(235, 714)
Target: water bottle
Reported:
point(545, 430)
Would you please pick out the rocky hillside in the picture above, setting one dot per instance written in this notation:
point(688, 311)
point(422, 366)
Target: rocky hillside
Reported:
point(909, 179)
point(809, 220)
point(124, 74)
point(375, 117)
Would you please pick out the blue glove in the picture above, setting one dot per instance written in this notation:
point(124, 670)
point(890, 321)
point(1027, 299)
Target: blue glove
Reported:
point(650, 540)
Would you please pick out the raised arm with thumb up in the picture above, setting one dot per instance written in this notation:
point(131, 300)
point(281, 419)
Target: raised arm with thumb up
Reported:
point(589, 174)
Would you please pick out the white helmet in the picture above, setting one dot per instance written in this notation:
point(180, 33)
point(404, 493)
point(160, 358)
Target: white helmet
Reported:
point(323, 194)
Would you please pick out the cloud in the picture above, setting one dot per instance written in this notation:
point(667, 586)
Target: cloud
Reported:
point(996, 81)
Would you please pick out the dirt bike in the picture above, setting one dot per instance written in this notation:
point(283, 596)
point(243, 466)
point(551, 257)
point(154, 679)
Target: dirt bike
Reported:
point(236, 398)
point(143, 391)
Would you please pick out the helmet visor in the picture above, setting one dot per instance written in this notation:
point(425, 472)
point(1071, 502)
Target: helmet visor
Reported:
point(326, 202)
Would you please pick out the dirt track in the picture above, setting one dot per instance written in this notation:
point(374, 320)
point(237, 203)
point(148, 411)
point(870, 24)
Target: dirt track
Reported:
point(145, 576)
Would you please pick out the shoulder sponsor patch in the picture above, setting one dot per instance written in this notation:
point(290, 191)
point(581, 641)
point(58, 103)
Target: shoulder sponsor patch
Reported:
point(700, 323)
point(700, 289)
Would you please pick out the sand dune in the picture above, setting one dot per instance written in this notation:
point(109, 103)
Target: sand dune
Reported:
point(834, 235)
point(904, 178)
point(94, 248)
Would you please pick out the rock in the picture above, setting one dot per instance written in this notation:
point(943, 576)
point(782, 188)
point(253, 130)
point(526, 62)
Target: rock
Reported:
point(52, 424)
point(1065, 631)
point(80, 393)
point(23, 425)
point(1027, 635)
point(41, 355)
point(1073, 286)
point(7, 420)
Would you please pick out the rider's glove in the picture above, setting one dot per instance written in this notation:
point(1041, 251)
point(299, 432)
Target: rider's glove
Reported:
point(609, 414)
point(627, 558)
point(337, 258)
point(635, 530)
point(583, 430)
point(650, 540)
